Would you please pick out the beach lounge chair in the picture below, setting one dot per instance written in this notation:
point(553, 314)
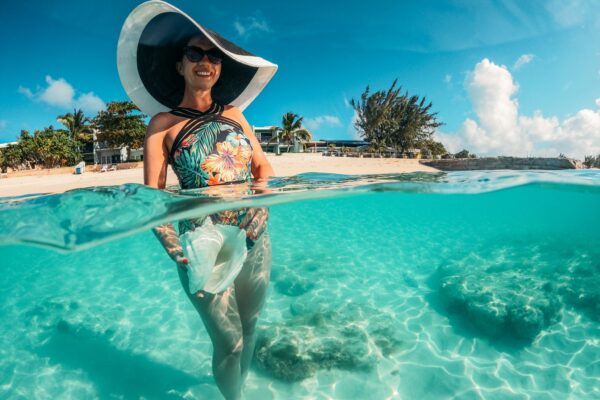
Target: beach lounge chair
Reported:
point(80, 168)
point(113, 167)
point(104, 168)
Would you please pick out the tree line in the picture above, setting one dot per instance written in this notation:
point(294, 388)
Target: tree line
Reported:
point(121, 124)
point(384, 119)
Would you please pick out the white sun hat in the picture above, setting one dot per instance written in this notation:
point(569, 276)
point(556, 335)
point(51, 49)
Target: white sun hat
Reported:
point(151, 42)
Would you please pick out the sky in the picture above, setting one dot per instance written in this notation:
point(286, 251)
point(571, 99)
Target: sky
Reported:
point(512, 77)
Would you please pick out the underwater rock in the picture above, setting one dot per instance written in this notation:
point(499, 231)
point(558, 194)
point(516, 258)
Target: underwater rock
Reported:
point(293, 285)
point(410, 281)
point(385, 338)
point(581, 290)
point(325, 337)
point(517, 291)
point(282, 359)
point(498, 301)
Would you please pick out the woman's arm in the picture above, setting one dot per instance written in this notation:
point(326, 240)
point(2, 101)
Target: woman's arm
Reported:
point(255, 221)
point(155, 175)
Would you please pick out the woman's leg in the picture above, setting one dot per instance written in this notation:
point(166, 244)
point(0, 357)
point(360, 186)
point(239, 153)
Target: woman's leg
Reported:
point(250, 291)
point(220, 316)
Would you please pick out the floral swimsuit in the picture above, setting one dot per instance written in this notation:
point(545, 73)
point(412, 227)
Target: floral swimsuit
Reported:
point(210, 150)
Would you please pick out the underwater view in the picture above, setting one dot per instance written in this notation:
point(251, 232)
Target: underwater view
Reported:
point(461, 285)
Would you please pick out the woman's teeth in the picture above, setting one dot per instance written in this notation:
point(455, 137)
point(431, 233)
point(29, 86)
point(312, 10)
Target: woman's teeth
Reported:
point(203, 73)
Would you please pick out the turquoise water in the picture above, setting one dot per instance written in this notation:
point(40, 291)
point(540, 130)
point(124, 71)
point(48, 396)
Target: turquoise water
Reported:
point(482, 285)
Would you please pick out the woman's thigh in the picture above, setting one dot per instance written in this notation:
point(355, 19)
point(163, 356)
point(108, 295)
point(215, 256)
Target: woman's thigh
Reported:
point(220, 315)
point(252, 282)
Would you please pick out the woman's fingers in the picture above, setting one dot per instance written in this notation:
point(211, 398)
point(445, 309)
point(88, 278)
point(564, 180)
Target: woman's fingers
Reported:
point(248, 218)
point(181, 261)
point(258, 224)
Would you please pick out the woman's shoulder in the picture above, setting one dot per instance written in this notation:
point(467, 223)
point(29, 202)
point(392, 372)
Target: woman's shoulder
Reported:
point(234, 113)
point(161, 122)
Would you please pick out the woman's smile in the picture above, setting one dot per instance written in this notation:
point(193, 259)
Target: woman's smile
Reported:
point(204, 74)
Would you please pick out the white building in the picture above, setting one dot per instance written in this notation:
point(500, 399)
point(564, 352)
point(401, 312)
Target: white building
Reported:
point(108, 155)
point(2, 145)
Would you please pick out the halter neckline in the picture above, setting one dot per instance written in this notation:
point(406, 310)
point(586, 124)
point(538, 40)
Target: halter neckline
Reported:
point(214, 108)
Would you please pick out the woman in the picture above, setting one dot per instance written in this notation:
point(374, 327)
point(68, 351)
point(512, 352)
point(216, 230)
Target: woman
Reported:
point(207, 143)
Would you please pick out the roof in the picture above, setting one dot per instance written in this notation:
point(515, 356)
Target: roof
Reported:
point(265, 127)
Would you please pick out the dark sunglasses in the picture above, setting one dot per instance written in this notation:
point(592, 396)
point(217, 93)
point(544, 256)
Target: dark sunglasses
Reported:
point(196, 54)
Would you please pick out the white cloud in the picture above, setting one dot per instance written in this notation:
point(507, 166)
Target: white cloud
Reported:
point(352, 128)
point(249, 25)
point(598, 101)
point(568, 13)
point(448, 79)
point(25, 91)
point(522, 60)
point(89, 101)
point(3, 123)
point(60, 93)
point(501, 130)
point(315, 123)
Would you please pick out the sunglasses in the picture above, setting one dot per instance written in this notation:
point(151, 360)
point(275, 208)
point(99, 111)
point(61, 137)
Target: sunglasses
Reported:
point(196, 54)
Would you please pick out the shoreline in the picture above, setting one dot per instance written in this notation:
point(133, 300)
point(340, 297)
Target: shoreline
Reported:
point(284, 165)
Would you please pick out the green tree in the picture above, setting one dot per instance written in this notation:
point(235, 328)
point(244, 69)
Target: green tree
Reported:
point(389, 119)
point(462, 154)
point(292, 130)
point(592, 162)
point(12, 157)
point(121, 124)
point(372, 112)
point(53, 148)
point(48, 148)
point(78, 126)
point(435, 148)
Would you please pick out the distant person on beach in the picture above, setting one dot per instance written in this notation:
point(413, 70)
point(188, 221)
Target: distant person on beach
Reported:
point(191, 79)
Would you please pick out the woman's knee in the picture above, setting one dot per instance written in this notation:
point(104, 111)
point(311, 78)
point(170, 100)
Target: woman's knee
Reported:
point(229, 349)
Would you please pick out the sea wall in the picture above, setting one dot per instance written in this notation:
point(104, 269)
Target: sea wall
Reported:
point(465, 164)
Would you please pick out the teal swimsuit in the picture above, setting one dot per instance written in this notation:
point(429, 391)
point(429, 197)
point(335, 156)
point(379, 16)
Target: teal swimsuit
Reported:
point(210, 150)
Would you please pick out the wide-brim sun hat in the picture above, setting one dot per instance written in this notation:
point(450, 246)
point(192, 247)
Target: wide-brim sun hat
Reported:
point(151, 42)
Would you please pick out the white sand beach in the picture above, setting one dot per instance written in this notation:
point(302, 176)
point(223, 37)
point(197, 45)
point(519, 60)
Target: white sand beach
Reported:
point(284, 165)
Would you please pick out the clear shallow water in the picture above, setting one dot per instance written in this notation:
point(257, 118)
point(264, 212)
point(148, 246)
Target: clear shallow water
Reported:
point(420, 286)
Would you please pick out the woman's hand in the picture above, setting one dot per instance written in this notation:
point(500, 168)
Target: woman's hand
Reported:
point(255, 222)
point(179, 258)
point(169, 239)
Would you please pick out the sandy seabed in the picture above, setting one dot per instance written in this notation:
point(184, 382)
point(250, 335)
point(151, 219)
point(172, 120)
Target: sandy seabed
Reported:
point(284, 165)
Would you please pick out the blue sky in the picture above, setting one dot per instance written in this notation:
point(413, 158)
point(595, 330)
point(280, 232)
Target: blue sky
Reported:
point(506, 77)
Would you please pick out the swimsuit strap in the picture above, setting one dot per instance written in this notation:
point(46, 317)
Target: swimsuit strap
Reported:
point(186, 112)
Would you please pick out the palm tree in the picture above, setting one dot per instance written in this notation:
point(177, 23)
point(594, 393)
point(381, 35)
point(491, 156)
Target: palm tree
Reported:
point(292, 130)
point(78, 125)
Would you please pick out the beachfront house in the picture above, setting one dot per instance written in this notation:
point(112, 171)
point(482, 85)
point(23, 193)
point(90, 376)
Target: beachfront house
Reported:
point(110, 155)
point(104, 154)
point(325, 145)
point(265, 134)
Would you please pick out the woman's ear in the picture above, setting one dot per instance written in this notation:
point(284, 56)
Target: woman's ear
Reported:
point(178, 67)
